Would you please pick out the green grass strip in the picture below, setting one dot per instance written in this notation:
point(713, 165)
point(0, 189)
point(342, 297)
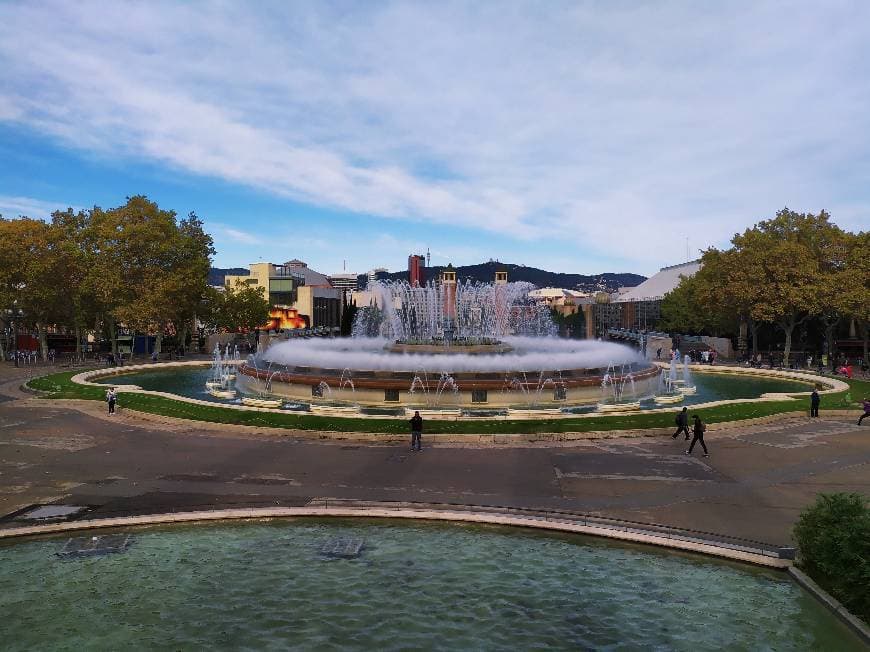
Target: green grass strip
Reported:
point(59, 386)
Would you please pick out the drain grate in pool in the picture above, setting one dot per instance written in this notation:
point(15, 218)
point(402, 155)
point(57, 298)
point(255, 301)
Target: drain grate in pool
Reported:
point(51, 513)
point(99, 545)
point(342, 548)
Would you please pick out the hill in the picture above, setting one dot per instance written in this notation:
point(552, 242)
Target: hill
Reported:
point(608, 281)
point(216, 274)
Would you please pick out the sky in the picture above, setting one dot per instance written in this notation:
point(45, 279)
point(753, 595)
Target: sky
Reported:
point(581, 137)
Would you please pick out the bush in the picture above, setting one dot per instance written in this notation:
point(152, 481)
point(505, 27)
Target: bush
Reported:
point(833, 537)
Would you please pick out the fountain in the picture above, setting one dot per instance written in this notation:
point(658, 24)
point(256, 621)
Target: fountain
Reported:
point(667, 391)
point(220, 383)
point(452, 346)
point(687, 387)
point(613, 389)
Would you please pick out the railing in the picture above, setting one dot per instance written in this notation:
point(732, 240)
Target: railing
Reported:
point(564, 516)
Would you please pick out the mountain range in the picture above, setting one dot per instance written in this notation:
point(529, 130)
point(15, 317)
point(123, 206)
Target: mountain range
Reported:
point(608, 281)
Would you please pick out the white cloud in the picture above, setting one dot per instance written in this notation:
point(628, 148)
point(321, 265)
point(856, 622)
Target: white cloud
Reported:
point(11, 207)
point(603, 127)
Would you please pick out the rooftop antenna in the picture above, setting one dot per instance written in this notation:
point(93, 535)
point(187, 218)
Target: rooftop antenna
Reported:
point(344, 265)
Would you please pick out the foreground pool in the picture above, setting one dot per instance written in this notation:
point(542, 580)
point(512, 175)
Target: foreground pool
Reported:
point(414, 586)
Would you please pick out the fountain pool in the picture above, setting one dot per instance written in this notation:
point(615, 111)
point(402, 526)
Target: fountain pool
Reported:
point(413, 586)
point(190, 381)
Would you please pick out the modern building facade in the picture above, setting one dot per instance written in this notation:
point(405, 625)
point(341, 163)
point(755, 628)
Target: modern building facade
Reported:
point(298, 294)
point(640, 308)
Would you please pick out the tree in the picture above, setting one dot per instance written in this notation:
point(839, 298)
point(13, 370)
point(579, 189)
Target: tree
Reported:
point(150, 272)
point(80, 308)
point(782, 261)
point(41, 295)
point(854, 284)
point(681, 311)
point(238, 309)
point(11, 279)
point(348, 313)
point(833, 537)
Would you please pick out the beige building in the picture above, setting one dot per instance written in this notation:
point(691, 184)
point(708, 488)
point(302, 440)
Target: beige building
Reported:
point(294, 286)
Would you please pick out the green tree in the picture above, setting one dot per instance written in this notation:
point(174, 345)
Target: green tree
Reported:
point(681, 310)
point(11, 279)
point(238, 309)
point(783, 260)
point(348, 313)
point(80, 309)
point(41, 292)
point(833, 537)
point(853, 289)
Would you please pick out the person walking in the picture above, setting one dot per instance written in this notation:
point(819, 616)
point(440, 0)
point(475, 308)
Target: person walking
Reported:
point(682, 422)
point(416, 431)
point(815, 399)
point(111, 397)
point(866, 411)
point(698, 429)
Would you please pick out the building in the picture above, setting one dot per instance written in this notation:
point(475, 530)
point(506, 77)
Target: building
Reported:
point(555, 297)
point(347, 283)
point(377, 274)
point(416, 270)
point(298, 294)
point(640, 308)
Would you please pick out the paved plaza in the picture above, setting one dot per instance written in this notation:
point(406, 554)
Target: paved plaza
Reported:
point(754, 484)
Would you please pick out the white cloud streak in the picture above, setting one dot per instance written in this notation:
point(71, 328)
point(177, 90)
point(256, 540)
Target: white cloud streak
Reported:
point(11, 207)
point(612, 127)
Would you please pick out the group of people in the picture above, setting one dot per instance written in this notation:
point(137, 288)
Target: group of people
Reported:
point(698, 428)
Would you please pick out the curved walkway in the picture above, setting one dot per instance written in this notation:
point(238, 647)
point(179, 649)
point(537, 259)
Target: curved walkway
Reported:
point(755, 483)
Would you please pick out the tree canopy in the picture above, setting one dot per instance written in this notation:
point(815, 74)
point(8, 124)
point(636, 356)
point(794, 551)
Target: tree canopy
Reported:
point(135, 264)
point(782, 271)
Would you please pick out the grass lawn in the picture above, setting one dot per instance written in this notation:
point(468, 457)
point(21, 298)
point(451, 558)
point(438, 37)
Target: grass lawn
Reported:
point(60, 386)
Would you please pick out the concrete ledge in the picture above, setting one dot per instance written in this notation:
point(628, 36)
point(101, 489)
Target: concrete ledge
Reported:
point(852, 621)
point(634, 535)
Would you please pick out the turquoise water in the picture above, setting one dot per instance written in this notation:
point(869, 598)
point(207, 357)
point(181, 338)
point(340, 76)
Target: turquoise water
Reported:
point(190, 382)
point(719, 387)
point(415, 586)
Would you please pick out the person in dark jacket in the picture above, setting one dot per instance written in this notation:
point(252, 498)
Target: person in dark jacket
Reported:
point(698, 430)
point(416, 431)
point(815, 399)
point(866, 410)
point(682, 424)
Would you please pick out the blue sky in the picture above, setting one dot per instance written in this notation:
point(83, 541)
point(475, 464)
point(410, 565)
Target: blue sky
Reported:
point(578, 137)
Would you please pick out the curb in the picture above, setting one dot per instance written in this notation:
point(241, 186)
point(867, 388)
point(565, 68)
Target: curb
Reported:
point(634, 535)
point(849, 619)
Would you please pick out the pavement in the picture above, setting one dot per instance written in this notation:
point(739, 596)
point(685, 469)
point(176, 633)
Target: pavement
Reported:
point(754, 484)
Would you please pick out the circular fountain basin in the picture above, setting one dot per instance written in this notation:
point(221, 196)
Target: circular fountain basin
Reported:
point(543, 372)
point(386, 585)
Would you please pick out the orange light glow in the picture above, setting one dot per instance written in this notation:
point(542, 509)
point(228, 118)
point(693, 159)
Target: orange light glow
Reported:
point(285, 319)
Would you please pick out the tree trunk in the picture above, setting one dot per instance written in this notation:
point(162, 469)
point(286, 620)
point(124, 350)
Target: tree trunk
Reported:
point(43, 341)
point(182, 334)
point(113, 336)
point(78, 331)
point(753, 330)
point(829, 339)
point(741, 335)
point(787, 327)
point(158, 343)
point(865, 331)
